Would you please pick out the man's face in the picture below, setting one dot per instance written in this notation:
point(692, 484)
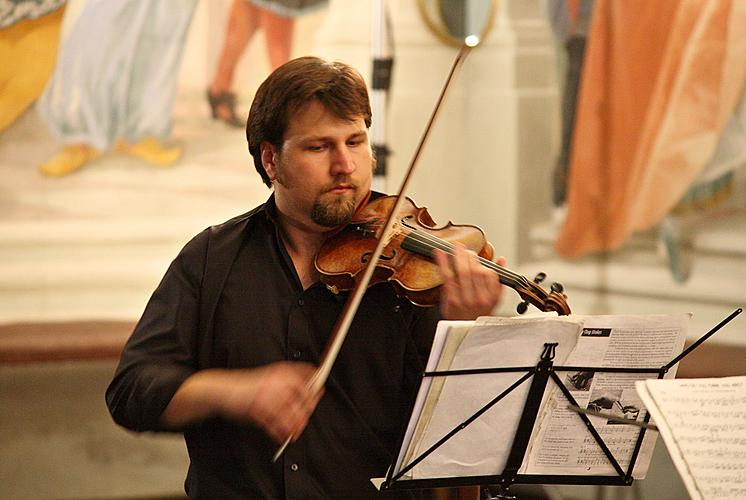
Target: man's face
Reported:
point(323, 170)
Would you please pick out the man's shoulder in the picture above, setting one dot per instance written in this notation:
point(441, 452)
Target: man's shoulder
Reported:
point(225, 234)
point(237, 223)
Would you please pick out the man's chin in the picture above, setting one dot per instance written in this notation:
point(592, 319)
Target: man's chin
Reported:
point(333, 214)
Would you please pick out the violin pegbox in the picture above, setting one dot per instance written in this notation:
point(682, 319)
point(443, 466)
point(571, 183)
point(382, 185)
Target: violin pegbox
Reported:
point(554, 301)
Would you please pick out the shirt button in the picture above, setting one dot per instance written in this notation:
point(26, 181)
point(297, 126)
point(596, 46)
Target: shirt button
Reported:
point(294, 467)
point(296, 354)
point(300, 302)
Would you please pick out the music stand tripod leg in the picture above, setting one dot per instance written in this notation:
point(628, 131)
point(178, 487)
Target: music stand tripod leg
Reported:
point(496, 492)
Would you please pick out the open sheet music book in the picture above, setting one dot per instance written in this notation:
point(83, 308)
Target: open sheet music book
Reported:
point(703, 423)
point(560, 443)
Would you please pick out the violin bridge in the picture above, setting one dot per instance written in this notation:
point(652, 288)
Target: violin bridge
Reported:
point(395, 230)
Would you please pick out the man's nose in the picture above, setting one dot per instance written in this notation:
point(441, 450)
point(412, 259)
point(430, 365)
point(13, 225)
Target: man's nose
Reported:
point(342, 161)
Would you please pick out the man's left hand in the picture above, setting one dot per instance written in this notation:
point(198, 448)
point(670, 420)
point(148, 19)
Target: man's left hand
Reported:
point(469, 289)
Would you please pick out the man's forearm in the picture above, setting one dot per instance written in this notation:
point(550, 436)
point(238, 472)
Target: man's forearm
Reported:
point(274, 397)
point(199, 398)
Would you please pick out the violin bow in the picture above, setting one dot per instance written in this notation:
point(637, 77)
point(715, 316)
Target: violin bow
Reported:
point(339, 333)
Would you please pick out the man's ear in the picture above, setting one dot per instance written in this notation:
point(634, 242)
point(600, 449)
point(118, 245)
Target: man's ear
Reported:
point(269, 158)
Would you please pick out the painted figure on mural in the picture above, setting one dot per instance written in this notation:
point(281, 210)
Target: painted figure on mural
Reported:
point(29, 34)
point(277, 19)
point(569, 20)
point(659, 116)
point(115, 81)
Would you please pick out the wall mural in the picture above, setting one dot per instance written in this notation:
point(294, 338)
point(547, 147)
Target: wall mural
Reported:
point(654, 119)
point(29, 36)
point(111, 137)
point(95, 138)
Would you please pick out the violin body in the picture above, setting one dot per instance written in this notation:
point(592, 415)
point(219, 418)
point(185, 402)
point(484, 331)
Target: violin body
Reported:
point(413, 274)
point(406, 261)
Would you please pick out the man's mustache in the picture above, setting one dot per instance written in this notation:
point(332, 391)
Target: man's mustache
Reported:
point(341, 182)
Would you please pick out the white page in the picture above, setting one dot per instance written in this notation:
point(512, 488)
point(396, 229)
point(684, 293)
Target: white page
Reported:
point(439, 340)
point(482, 447)
point(703, 423)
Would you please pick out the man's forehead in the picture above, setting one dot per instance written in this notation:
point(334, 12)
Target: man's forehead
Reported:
point(316, 108)
point(315, 119)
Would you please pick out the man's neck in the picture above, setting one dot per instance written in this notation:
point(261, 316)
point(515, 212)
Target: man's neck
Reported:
point(302, 244)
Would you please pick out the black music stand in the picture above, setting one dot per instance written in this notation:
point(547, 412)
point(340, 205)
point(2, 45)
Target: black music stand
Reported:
point(540, 374)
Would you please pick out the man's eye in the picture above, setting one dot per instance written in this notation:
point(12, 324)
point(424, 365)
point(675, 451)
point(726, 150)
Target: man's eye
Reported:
point(316, 148)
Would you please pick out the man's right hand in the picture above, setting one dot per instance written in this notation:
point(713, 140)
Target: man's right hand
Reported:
point(273, 397)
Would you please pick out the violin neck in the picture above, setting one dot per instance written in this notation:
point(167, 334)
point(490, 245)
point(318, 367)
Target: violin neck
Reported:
point(424, 243)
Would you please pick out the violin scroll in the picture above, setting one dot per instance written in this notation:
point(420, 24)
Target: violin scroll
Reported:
point(555, 300)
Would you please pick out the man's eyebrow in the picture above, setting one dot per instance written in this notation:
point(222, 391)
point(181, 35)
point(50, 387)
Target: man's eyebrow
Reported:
point(313, 138)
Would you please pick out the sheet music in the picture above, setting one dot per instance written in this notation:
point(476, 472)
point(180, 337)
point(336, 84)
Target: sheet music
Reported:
point(483, 446)
point(703, 423)
point(455, 330)
point(561, 443)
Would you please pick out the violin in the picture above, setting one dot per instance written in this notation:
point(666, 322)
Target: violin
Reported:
point(406, 260)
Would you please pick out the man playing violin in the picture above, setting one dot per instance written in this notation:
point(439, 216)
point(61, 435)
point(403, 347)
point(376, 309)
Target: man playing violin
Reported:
point(230, 337)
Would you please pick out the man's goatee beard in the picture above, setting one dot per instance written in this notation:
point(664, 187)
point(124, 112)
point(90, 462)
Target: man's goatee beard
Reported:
point(332, 214)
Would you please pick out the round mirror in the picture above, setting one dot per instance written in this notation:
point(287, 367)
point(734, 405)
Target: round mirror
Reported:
point(458, 21)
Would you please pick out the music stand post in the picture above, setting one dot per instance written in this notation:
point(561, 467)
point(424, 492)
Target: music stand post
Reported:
point(541, 374)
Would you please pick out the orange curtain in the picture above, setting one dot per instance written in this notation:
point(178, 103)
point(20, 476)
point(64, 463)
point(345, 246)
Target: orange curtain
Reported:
point(660, 80)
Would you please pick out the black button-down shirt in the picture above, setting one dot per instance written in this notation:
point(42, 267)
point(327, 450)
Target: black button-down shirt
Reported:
point(232, 299)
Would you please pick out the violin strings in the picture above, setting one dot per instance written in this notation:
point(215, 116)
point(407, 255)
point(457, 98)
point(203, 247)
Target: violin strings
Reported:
point(422, 242)
point(426, 242)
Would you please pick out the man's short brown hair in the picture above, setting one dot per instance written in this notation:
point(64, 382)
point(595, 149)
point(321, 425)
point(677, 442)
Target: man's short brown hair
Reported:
point(336, 85)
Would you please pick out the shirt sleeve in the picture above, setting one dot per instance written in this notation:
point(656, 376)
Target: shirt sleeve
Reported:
point(161, 353)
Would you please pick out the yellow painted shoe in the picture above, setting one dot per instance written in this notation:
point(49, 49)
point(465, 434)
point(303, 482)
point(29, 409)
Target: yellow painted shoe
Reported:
point(67, 161)
point(152, 151)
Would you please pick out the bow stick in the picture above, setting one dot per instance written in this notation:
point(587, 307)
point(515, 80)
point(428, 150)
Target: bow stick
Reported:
point(317, 381)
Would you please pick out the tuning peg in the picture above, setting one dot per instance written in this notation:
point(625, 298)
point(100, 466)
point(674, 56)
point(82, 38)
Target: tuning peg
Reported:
point(522, 307)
